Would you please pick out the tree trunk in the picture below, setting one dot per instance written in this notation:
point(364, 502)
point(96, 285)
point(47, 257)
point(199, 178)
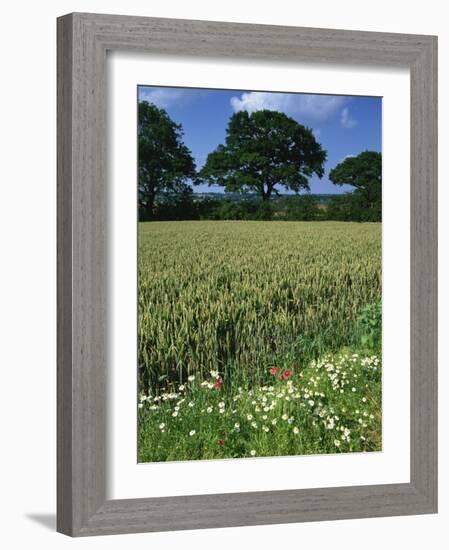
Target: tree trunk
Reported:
point(266, 194)
point(149, 208)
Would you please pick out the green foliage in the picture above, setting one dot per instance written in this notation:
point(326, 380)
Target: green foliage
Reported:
point(186, 205)
point(370, 322)
point(330, 405)
point(230, 210)
point(165, 163)
point(351, 207)
point(175, 206)
point(364, 173)
point(300, 208)
point(262, 150)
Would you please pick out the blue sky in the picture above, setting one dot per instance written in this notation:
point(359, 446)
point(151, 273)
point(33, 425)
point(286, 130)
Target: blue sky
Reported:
point(344, 125)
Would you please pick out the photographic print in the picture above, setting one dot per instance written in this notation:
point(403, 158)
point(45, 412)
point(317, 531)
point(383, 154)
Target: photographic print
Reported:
point(259, 274)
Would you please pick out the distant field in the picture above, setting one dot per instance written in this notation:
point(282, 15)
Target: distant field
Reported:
point(238, 296)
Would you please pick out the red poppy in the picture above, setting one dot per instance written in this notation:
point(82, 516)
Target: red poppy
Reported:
point(218, 383)
point(221, 442)
point(274, 370)
point(286, 374)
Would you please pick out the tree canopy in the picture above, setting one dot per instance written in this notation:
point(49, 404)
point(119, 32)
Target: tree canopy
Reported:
point(165, 163)
point(364, 172)
point(263, 150)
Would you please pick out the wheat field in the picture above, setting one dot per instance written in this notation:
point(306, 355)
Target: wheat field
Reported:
point(237, 297)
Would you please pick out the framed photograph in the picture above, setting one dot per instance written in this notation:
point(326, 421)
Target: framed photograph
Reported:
point(247, 274)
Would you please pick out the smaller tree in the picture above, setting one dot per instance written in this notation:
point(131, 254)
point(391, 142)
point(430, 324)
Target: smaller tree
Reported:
point(165, 163)
point(364, 172)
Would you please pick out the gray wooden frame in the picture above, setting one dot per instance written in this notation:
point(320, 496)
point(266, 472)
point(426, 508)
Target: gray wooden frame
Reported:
point(83, 40)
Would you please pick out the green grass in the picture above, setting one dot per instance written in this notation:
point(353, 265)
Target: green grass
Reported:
point(331, 406)
point(239, 298)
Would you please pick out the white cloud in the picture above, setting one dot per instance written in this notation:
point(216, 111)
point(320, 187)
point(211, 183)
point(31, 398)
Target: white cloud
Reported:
point(165, 97)
point(314, 107)
point(346, 120)
point(347, 157)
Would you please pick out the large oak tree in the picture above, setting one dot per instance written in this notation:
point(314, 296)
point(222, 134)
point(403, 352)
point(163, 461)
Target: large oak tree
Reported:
point(165, 163)
point(263, 150)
